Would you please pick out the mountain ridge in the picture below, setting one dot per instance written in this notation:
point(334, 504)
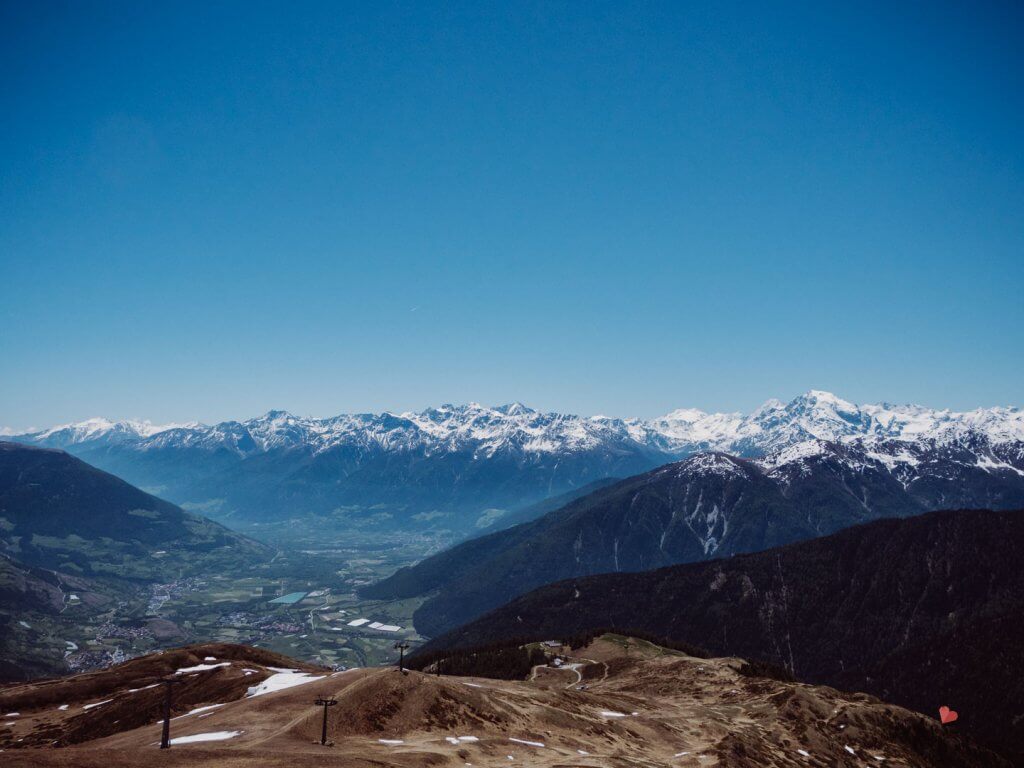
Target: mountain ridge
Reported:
point(815, 414)
point(616, 702)
point(51, 501)
point(460, 469)
point(922, 611)
point(706, 506)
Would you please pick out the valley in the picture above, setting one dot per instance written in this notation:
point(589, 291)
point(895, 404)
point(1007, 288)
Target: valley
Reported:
point(104, 622)
point(131, 573)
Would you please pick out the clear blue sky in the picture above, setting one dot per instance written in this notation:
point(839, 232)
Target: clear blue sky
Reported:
point(211, 209)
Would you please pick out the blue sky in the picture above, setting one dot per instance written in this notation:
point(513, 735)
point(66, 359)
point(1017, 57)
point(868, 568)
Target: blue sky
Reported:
point(211, 209)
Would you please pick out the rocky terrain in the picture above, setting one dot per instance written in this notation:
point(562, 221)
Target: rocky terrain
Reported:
point(59, 712)
point(616, 703)
point(921, 612)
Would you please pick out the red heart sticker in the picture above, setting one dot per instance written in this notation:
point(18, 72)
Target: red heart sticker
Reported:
point(947, 715)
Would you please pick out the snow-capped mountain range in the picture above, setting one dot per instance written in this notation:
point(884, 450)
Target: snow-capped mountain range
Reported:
point(464, 467)
point(814, 416)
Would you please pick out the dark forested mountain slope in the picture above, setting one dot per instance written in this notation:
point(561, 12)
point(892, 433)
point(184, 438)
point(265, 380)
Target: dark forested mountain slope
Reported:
point(707, 506)
point(73, 537)
point(58, 512)
point(924, 612)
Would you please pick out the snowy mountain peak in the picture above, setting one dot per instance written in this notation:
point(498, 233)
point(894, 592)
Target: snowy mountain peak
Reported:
point(821, 397)
point(514, 409)
point(794, 453)
point(823, 405)
point(686, 415)
point(99, 427)
point(768, 406)
point(712, 463)
point(276, 415)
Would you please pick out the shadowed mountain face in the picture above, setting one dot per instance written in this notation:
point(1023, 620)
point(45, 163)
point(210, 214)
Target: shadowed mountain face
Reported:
point(73, 537)
point(60, 513)
point(616, 703)
point(707, 506)
point(923, 612)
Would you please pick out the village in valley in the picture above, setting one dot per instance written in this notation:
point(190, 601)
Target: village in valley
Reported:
point(303, 603)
